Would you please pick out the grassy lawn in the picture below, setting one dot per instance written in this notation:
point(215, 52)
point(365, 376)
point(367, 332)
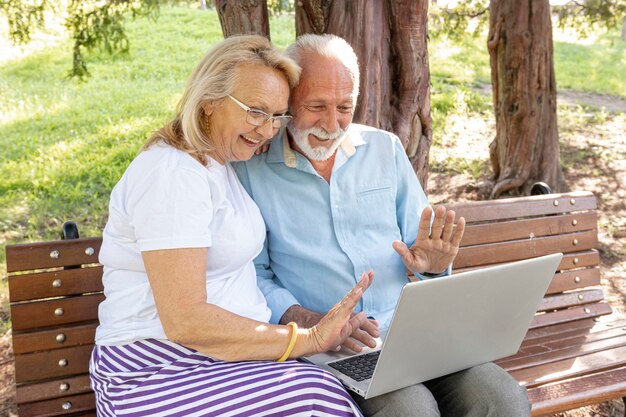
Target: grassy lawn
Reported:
point(65, 143)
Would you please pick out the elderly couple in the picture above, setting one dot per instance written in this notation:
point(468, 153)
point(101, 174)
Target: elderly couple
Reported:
point(222, 268)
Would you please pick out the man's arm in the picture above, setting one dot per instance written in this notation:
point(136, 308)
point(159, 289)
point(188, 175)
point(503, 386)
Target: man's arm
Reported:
point(434, 247)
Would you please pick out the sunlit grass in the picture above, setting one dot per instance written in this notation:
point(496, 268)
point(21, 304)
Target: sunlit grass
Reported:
point(65, 143)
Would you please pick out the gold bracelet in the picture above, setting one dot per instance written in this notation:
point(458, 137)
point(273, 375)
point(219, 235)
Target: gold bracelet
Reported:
point(292, 342)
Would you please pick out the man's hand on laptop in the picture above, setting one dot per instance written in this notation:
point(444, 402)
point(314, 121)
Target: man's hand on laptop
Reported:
point(435, 248)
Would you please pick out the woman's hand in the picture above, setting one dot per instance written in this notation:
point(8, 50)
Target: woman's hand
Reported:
point(339, 323)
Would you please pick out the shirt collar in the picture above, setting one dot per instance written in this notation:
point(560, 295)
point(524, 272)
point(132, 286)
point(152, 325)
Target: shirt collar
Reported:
point(280, 151)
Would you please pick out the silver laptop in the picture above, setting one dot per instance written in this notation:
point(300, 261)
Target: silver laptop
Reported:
point(448, 324)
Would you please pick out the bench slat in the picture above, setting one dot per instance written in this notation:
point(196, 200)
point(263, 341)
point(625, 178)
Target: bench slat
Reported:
point(565, 352)
point(30, 256)
point(492, 253)
point(570, 299)
point(42, 313)
point(572, 280)
point(590, 389)
point(57, 338)
point(521, 229)
point(574, 260)
point(54, 284)
point(579, 259)
point(41, 365)
point(573, 367)
point(54, 407)
point(53, 389)
point(573, 335)
point(571, 314)
point(528, 351)
point(492, 210)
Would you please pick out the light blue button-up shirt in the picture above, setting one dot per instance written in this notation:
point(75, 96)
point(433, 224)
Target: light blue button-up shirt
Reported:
point(321, 236)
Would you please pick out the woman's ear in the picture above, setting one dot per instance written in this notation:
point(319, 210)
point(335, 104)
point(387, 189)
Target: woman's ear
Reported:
point(208, 107)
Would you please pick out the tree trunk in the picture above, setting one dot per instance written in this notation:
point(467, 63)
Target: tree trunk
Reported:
point(526, 148)
point(243, 17)
point(390, 40)
point(624, 30)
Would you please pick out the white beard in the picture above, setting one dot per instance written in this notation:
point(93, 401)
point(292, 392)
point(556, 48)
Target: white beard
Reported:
point(319, 153)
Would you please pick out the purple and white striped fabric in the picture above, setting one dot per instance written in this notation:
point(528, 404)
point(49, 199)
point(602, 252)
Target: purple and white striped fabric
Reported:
point(161, 378)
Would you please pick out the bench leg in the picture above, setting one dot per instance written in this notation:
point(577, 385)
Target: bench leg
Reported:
point(624, 401)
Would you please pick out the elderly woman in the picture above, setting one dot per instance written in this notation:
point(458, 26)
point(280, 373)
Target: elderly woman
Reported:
point(183, 330)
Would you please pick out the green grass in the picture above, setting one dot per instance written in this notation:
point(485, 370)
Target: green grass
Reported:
point(65, 143)
point(599, 66)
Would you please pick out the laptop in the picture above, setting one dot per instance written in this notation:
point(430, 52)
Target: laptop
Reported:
point(448, 324)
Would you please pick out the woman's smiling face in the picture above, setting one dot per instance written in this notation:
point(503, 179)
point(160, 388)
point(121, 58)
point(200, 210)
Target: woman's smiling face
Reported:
point(258, 87)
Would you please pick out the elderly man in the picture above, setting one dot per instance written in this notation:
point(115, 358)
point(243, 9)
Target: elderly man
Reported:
point(340, 198)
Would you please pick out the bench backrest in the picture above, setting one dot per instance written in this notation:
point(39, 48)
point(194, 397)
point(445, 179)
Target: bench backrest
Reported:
point(518, 228)
point(55, 288)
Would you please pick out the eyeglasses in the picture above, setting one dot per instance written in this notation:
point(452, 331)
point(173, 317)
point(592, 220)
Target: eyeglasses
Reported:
point(258, 117)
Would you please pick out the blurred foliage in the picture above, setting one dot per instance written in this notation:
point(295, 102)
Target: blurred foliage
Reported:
point(585, 16)
point(24, 17)
point(456, 19)
point(277, 7)
point(93, 23)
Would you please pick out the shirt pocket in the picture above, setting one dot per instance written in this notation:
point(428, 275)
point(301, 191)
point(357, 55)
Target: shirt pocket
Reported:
point(375, 218)
point(377, 193)
point(376, 203)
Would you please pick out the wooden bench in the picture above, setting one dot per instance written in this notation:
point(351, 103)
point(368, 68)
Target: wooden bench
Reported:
point(569, 357)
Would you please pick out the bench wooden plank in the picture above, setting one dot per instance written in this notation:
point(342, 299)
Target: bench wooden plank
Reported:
point(574, 260)
point(580, 259)
point(46, 313)
point(52, 364)
point(571, 280)
point(528, 351)
point(525, 228)
point(40, 255)
point(476, 211)
point(586, 390)
point(570, 299)
point(56, 338)
point(576, 313)
point(575, 336)
point(563, 352)
point(492, 253)
point(53, 389)
point(573, 367)
point(56, 407)
point(55, 284)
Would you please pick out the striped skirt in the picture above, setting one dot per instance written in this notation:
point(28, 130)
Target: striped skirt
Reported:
point(161, 378)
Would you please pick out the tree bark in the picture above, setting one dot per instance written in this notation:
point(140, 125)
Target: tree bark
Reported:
point(243, 17)
point(624, 30)
point(390, 40)
point(526, 148)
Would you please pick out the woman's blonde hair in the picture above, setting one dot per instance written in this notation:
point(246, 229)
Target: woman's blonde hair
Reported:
point(213, 79)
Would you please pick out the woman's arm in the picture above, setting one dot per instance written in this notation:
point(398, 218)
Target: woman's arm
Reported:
point(177, 278)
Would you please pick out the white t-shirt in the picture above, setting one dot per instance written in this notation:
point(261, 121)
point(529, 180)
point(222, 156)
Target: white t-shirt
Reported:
point(168, 200)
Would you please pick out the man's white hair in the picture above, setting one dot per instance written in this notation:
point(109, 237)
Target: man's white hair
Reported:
point(330, 46)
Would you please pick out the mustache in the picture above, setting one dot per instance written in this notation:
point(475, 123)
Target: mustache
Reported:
point(323, 134)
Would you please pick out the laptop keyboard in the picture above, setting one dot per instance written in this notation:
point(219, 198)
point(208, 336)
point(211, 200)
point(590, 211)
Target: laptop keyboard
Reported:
point(359, 367)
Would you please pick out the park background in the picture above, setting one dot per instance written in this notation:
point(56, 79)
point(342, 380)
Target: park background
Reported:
point(65, 142)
